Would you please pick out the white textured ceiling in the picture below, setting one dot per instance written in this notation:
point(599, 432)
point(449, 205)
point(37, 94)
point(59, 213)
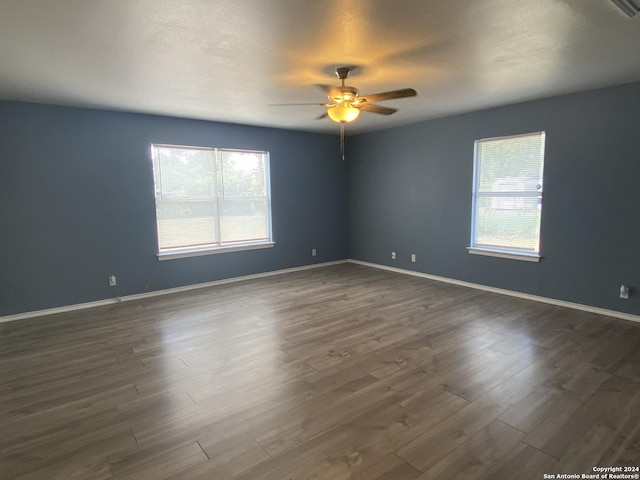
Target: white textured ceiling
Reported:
point(227, 60)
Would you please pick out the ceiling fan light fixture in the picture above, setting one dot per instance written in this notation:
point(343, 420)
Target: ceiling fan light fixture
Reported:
point(343, 113)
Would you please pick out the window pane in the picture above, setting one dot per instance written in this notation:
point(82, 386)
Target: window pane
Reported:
point(512, 222)
point(244, 209)
point(184, 173)
point(510, 164)
point(244, 219)
point(185, 223)
point(243, 174)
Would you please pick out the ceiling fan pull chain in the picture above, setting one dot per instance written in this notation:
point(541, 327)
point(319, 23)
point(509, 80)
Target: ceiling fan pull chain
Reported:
point(342, 140)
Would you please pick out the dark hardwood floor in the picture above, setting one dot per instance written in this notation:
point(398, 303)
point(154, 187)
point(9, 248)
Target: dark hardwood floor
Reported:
point(342, 372)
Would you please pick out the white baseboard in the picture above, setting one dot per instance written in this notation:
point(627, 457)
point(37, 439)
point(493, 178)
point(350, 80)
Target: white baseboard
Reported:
point(502, 291)
point(156, 293)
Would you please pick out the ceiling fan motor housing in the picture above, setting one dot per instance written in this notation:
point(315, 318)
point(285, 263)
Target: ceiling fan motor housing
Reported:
point(345, 94)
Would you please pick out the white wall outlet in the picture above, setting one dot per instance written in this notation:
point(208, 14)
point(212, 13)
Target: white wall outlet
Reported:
point(393, 255)
point(112, 281)
point(624, 292)
point(413, 258)
point(313, 252)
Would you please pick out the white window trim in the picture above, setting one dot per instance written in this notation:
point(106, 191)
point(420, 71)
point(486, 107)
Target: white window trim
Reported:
point(186, 252)
point(175, 253)
point(510, 254)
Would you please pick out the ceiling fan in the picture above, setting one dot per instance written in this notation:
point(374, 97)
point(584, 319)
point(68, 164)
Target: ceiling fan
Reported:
point(345, 102)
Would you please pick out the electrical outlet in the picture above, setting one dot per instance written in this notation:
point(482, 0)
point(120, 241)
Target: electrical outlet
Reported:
point(624, 292)
point(413, 258)
point(112, 281)
point(313, 252)
point(393, 255)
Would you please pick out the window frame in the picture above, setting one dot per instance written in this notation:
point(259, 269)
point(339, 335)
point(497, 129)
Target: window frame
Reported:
point(513, 253)
point(210, 249)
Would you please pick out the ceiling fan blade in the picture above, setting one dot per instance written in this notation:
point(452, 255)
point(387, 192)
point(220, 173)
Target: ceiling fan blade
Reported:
point(320, 117)
point(402, 93)
point(294, 104)
point(373, 108)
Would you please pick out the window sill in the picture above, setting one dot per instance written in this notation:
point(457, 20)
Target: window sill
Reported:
point(197, 252)
point(527, 257)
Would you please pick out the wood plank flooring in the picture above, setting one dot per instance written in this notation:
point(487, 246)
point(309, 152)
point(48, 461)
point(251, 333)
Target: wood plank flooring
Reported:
point(341, 372)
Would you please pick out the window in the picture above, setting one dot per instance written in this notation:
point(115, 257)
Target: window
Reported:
point(210, 200)
point(507, 196)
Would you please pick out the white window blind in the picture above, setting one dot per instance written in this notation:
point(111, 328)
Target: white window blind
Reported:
point(208, 198)
point(507, 194)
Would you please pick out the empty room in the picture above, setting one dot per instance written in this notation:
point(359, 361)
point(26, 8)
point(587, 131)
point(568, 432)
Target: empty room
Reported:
point(319, 239)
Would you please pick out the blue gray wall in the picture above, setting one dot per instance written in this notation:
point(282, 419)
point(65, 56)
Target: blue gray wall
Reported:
point(410, 192)
point(77, 204)
point(76, 200)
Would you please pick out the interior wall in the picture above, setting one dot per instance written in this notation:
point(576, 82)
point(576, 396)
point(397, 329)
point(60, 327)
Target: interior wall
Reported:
point(77, 204)
point(76, 200)
point(410, 192)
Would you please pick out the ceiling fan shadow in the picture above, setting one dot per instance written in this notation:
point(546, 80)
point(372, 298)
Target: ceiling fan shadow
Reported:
point(419, 54)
